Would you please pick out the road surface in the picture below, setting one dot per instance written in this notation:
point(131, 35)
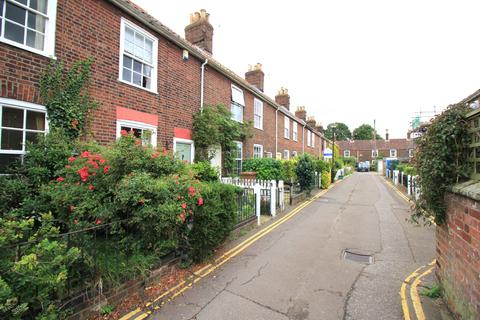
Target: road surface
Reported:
point(298, 271)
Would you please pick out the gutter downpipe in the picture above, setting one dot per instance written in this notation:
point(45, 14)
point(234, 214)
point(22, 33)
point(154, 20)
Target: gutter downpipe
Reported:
point(202, 84)
point(276, 134)
point(303, 138)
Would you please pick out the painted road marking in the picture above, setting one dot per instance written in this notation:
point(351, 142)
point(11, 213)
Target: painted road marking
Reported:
point(403, 290)
point(139, 314)
point(417, 304)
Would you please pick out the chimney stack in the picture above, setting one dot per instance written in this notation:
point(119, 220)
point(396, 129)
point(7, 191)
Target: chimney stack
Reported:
point(386, 134)
point(255, 76)
point(311, 121)
point(200, 32)
point(301, 113)
point(319, 127)
point(283, 98)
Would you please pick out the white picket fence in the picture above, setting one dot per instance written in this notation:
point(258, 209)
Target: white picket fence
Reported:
point(397, 177)
point(261, 188)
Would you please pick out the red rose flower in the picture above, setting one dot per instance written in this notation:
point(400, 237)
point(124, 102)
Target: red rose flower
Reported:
point(105, 169)
point(83, 173)
point(155, 155)
point(177, 183)
point(71, 159)
point(191, 191)
point(123, 132)
point(184, 205)
point(98, 221)
point(67, 166)
point(60, 179)
point(102, 161)
point(200, 201)
point(182, 217)
point(85, 154)
point(91, 187)
point(178, 197)
point(71, 208)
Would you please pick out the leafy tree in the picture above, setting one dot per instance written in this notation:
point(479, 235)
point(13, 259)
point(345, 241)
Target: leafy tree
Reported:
point(365, 132)
point(342, 132)
point(305, 171)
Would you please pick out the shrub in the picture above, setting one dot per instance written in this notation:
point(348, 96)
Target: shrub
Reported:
point(326, 179)
point(203, 171)
point(288, 172)
point(350, 161)
point(266, 168)
point(305, 172)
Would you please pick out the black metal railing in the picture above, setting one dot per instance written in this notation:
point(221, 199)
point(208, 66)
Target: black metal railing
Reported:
point(246, 206)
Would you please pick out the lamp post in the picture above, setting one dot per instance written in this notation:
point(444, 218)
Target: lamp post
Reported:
point(334, 125)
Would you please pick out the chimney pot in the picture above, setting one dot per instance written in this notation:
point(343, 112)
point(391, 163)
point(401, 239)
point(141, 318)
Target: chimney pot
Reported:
point(301, 113)
point(255, 76)
point(283, 98)
point(200, 32)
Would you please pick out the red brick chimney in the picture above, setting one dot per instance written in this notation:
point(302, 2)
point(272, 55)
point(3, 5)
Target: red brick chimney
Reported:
point(283, 98)
point(319, 127)
point(386, 135)
point(255, 76)
point(200, 32)
point(311, 121)
point(301, 113)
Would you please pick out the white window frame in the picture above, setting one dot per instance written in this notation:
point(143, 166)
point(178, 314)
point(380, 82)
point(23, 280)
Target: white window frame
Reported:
point(259, 148)
point(186, 141)
point(239, 146)
point(278, 156)
point(393, 153)
point(374, 153)
point(286, 130)
point(25, 106)
point(138, 125)
point(123, 23)
point(268, 154)
point(258, 114)
point(346, 153)
point(286, 154)
point(410, 153)
point(309, 138)
point(294, 154)
point(50, 26)
point(313, 140)
point(295, 131)
point(238, 101)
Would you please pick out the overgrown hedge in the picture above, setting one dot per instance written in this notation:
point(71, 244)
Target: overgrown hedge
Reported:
point(138, 205)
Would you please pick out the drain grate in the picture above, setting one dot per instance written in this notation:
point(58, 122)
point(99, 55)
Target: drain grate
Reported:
point(358, 257)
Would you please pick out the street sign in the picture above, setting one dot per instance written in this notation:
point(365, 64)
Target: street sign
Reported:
point(327, 153)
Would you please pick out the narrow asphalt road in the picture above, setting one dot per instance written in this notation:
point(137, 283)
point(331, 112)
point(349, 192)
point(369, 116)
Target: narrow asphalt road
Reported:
point(298, 272)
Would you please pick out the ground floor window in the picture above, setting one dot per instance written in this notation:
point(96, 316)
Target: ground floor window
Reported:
point(346, 153)
point(20, 123)
point(184, 149)
point(268, 155)
point(144, 131)
point(294, 154)
point(257, 151)
point(410, 153)
point(374, 153)
point(238, 157)
point(286, 154)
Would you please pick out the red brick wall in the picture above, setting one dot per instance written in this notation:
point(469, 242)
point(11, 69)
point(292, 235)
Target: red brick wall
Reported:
point(458, 256)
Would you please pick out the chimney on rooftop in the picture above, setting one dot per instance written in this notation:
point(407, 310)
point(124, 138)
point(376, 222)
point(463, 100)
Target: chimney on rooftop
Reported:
point(200, 32)
point(301, 113)
point(311, 121)
point(283, 98)
point(386, 134)
point(255, 76)
point(319, 127)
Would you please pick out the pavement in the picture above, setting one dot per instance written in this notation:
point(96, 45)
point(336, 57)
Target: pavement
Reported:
point(297, 269)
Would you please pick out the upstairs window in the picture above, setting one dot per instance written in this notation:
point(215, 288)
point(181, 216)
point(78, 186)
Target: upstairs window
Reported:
point(20, 123)
point(374, 153)
point(257, 151)
point(346, 153)
point(238, 104)
point(29, 24)
point(313, 140)
point(309, 138)
point(287, 128)
point(258, 114)
point(138, 57)
point(295, 131)
point(393, 153)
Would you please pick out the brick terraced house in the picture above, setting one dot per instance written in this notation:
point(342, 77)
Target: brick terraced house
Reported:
point(145, 78)
point(368, 150)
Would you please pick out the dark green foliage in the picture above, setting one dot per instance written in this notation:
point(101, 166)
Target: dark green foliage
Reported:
point(349, 161)
point(214, 127)
point(65, 95)
point(365, 132)
point(305, 172)
point(440, 161)
point(342, 132)
point(203, 171)
point(266, 168)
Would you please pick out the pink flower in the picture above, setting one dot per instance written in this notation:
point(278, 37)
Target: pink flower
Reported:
point(102, 161)
point(184, 205)
point(71, 208)
point(75, 221)
point(191, 191)
point(83, 173)
point(71, 159)
point(85, 154)
point(178, 197)
point(182, 217)
point(67, 166)
point(60, 179)
point(177, 183)
point(105, 169)
point(123, 132)
point(91, 187)
point(98, 221)
point(200, 201)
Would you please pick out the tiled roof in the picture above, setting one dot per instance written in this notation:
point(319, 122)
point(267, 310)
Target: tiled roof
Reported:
point(398, 144)
point(145, 17)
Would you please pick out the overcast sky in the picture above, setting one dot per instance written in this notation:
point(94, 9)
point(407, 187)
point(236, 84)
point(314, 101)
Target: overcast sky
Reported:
point(347, 60)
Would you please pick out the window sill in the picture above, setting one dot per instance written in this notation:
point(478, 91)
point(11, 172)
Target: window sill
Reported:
point(138, 87)
point(259, 128)
point(29, 49)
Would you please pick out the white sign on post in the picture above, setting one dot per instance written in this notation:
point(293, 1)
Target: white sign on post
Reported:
point(327, 153)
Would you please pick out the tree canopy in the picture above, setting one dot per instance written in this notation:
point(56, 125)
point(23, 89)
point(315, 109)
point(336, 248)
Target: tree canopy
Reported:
point(365, 132)
point(342, 132)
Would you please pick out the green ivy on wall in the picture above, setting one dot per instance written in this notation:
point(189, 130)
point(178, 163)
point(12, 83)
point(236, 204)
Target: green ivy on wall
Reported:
point(65, 96)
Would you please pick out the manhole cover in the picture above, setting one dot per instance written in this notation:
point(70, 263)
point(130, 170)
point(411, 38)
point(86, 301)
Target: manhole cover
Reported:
point(358, 257)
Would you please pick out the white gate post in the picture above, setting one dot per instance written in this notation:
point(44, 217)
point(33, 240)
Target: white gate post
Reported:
point(409, 185)
point(273, 198)
point(282, 195)
point(256, 191)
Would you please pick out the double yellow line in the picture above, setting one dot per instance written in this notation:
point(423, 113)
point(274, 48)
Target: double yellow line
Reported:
point(139, 314)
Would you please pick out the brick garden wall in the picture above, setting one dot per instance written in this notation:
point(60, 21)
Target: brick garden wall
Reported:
point(458, 256)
